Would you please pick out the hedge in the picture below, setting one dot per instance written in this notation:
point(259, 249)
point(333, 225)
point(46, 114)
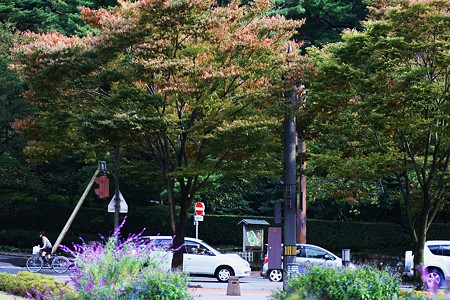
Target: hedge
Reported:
point(20, 221)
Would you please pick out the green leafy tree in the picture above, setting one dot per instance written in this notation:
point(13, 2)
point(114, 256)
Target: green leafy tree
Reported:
point(327, 19)
point(241, 197)
point(46, 15)
point(13, 171)
point(382, 104)
point(190, 87)
point(324, 19)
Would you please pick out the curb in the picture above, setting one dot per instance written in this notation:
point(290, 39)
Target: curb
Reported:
point(16, 254)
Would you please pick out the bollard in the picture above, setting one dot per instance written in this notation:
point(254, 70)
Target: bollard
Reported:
point(233, 288)
point(345, 257)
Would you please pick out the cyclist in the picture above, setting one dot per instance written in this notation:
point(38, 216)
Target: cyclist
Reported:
point(46, 247)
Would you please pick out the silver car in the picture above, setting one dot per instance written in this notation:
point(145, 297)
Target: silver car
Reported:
point(307, 255)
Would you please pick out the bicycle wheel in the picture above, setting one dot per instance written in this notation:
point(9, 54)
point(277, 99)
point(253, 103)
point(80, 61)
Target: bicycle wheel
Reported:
point(60, 264)
point(34, 264)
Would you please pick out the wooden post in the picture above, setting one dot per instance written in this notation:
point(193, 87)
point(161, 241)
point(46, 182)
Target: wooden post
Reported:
point(301, 196)
point(74, 213)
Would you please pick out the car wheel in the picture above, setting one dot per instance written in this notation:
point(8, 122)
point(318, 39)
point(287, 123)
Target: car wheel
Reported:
point(224, 273)
point(275, 275)
point(434, 279)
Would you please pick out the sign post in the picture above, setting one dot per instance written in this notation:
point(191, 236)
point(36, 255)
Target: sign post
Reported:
point(199, 209)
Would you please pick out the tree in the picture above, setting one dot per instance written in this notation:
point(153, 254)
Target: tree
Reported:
point(44, 16)
point(382, 104)
point(327, 19)
point(324, 19)
point(13, 171)
point(193, 88)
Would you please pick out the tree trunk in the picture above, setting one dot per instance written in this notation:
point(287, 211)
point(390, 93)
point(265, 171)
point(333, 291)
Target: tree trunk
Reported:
point(171, 200)
point(180, 232)
point(418, 227)
point(421, 237)
point(418, 259)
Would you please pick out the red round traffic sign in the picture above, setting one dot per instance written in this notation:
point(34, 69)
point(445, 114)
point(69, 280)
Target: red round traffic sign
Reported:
point(199, 208)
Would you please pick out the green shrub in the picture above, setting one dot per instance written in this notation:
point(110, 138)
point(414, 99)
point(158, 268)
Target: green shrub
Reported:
point(341, 284)
point(158, 286)
point(90, 222)
point(125, 269)
point(32, 285)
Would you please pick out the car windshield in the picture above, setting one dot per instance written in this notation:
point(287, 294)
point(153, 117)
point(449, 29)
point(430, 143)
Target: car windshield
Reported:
point(166, 243)
point(211, 248)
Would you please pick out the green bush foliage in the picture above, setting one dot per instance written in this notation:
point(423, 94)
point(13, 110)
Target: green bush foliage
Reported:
point(31, 285)
point(157, 286)
point(17, 217)
point(341, 284)
point(120, 268)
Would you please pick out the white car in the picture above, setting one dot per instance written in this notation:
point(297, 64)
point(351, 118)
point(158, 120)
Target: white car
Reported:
point(307, 255)
point(199, 258)
point(436, 263)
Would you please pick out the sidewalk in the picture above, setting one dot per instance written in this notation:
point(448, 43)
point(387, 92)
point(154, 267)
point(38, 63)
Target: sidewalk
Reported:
point(5, 296)
point(221, 294)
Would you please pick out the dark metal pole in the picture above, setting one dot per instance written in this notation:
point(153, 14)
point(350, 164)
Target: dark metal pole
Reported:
point(290, 198)
point(117, 191)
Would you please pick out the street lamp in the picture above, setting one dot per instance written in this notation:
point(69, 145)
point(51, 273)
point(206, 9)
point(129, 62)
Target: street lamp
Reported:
point(102, 167)
point(103, 171)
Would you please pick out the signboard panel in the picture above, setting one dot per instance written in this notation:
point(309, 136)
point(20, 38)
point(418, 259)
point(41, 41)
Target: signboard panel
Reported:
point(198, 218)
point(254, 237)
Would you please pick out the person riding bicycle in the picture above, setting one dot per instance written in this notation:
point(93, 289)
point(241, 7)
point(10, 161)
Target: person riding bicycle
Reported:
point(46, 247)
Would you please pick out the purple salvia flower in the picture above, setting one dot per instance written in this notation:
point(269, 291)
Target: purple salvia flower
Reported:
point(102, 282)
point(58, 287)
point(49, 290)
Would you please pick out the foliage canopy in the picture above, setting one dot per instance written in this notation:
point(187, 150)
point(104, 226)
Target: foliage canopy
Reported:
point(382, 104)
point(189, 87)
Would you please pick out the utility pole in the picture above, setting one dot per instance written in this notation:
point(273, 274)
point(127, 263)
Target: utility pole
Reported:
point(101, 169)
point(117, 191)
point(301, 195)
point(290, 180)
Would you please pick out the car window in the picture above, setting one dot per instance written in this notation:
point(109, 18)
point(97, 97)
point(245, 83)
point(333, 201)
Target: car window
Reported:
point(301, 251)
point(434, 249)
point(445, 249)
point(196, 248)
point(164, 243)
point(314, 253)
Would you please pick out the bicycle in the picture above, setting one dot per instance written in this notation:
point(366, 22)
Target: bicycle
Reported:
point(60, 264)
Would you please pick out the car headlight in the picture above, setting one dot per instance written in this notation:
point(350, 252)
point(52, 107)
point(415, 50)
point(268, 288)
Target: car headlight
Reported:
point(244, 263)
